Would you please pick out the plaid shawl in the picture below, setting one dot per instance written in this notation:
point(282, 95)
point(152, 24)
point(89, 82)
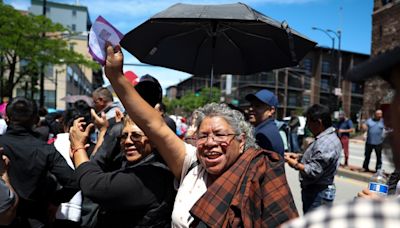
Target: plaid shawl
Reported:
point(253, 192)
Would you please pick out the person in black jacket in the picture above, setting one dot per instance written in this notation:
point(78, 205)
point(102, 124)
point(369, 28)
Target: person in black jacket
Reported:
point(108, 156)
point(140, 194)
point(33, 166)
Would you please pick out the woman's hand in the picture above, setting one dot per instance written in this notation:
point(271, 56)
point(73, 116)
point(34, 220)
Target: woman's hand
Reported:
point(78, 135)
point(114, 61)
point(101, 122)
point(367, 194)
point(118, 115)
point(4, 164)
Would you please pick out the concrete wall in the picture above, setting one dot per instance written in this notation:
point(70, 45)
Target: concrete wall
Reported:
point(68, 15)
point(63, 14)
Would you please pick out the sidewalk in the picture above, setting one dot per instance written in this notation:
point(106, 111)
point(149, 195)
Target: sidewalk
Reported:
point(354, 172)
point(358, 139)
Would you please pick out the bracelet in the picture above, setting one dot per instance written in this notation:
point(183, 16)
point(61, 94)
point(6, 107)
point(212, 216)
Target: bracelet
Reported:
point(79, 148)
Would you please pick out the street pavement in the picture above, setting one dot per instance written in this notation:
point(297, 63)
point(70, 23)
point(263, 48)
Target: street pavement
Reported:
point(349, 180)
point(356, 157)
point(346, 188)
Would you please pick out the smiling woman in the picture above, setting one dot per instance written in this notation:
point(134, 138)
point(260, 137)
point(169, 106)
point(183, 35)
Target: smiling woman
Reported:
point(140, 194)
point(135, 145)
point(225, 166)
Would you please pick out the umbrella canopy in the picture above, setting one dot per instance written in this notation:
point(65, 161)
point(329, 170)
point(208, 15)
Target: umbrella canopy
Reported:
point(75, 98)
point(229, 38)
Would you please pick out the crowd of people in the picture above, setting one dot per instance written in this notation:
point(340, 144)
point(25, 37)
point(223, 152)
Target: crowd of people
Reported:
point(131, 165)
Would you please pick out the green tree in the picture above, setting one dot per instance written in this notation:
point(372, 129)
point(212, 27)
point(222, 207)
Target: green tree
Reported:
point(21, 39)
point(191, 101)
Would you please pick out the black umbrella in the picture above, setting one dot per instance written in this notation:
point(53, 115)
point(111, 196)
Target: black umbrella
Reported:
point(204, 39)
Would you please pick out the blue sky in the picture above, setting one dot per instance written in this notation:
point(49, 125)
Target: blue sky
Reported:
point(352, 17)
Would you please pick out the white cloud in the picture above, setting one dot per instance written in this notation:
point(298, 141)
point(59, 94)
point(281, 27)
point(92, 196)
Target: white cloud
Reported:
point(19, 4)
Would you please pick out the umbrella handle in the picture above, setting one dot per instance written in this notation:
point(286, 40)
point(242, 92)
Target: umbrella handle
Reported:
point(212, 79)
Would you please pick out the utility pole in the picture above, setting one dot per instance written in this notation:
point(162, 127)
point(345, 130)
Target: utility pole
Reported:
point(55, 90)
point(41, 92)
point(1, 76)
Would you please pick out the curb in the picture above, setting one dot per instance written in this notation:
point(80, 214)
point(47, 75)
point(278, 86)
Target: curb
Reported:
point(353, 173)
point(358, 141)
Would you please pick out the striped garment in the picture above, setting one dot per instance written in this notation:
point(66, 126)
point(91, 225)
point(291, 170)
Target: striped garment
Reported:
point(360, 213)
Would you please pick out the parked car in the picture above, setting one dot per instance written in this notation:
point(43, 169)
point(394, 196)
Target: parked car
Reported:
point(300, 130)
point(302, 120)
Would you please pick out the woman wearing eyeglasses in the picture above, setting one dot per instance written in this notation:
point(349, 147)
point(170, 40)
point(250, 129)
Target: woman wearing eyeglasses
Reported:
point(140, 194)
point(224, 180)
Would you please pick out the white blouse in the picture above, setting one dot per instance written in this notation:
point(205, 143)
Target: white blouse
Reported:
point(191, 187)
point(70, 210)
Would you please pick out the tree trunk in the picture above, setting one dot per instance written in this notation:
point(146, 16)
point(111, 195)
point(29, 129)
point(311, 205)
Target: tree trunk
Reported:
point(11, 76)
point(1, 76)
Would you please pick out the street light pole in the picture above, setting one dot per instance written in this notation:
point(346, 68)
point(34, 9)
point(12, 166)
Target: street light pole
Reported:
point(328, 34)
point(338, 34)
point(55, 89)
point(333, 54)
point(41, 80)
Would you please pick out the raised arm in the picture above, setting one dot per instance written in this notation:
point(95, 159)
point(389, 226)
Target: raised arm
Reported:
point(8, 204)
point(171, 148)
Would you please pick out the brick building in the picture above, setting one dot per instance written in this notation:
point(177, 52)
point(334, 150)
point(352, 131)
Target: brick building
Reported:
point(385, 36)
point(313, 81)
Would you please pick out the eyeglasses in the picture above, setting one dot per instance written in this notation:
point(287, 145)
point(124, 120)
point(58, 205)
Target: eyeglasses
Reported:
point(134, 136)
point(218, 138)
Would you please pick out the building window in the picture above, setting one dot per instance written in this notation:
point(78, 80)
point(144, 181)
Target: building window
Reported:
point(307, 82)
point(357, 88)
point(326, 67)
point(76, 79)
point(49, 98)
point(306, 100)
point(324, 85)
point(73, 27)
point(49, 72)
point(294, 80)
point(307, 65)
point(292, 99)
point(23, 65)
point(74, 13)
point(47, 9)
point(267, 78)
point(70, 72)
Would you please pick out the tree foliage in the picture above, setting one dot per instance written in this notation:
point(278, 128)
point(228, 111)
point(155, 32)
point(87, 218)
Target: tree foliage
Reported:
point(190, 101)
point(35, 40)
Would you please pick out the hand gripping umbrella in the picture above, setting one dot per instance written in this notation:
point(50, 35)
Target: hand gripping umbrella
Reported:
point(220, 39)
